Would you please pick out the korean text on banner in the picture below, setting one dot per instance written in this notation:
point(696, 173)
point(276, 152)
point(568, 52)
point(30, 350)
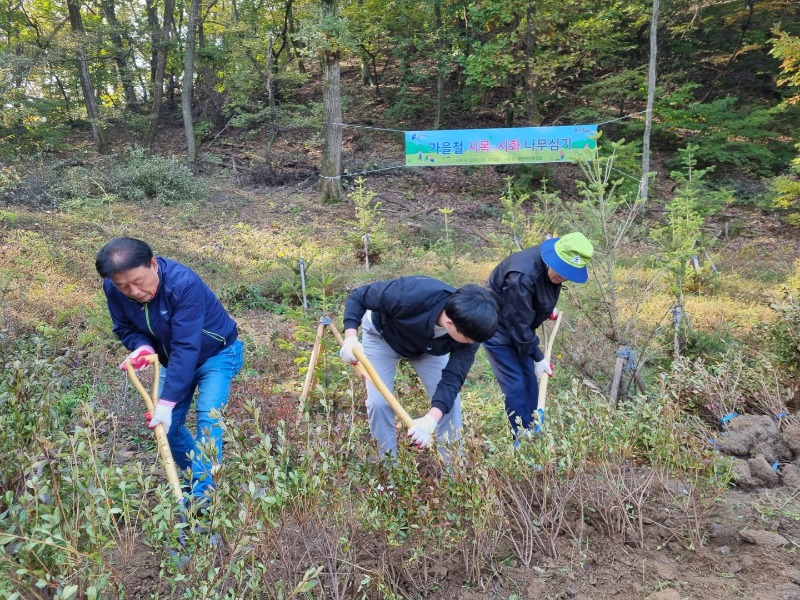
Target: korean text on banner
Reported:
point(501, 146)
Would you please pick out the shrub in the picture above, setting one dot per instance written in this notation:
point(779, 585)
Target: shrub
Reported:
point(786, 191)
point(785, 331)
point(29, 389)
point(148, 177)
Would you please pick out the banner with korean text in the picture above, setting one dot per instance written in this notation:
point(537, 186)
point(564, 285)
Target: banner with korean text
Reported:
point(501, 146)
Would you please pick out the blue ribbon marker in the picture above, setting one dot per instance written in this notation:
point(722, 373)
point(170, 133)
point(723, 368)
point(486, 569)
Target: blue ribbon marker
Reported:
point(780, 415)
point(537, 427)
point(775, 466)
point(728, 417)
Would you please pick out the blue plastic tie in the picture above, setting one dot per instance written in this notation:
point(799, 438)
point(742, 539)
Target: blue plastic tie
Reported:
point(713, 442)
point(537, 427)
point(775, 466)
point(780, 415)
point(728, 417)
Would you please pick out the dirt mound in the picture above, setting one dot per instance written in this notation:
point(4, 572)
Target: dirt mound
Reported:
point(766, 450)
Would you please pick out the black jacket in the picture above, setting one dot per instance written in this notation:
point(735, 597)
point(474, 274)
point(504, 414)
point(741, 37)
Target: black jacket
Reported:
point(525, 299)
point(404, 312)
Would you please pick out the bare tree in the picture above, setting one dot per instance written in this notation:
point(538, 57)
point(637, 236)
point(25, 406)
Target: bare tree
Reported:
point(440, 67)
point(188, 86)
point(123, 56)
point(161, 41)
point(330, 185)
point(92, 111)
point(651, 92)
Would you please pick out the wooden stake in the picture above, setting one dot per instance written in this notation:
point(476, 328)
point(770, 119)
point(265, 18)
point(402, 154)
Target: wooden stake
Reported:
point(160, 433)
point(617, 373)
point(547, 354)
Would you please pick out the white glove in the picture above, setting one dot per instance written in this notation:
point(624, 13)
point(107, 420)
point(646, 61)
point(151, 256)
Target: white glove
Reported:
point(421, 432)
point(540, 367)
point(346, 353)
point(163, 415)
point(137, 358)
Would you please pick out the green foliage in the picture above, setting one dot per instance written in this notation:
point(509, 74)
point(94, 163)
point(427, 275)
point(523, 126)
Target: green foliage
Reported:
point(607, 215)
point(748, 139)
point(681, 237)
point(446, 248)
point(368, 222)
point(243, 296)
point(326, 32)
point(787, 48)
point(786, 190)
point(308, 494)
point(69, 481)
point(30, 387)
point(580, 431)
point(149, 177)
point(525, 228)
point(785, 331)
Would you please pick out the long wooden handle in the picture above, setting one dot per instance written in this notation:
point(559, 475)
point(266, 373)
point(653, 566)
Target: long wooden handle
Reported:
point(160, 433)
point(376, 381)
point(312, 364)
point(547, 353)
point(358, 366)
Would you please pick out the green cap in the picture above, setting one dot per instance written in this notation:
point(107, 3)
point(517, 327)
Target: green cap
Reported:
point(568, 256)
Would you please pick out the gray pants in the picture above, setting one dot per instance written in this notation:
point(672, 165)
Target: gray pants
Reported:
point(381, 416)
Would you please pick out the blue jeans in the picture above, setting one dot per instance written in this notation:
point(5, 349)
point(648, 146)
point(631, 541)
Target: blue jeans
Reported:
point(212, 380)
point(517, 378)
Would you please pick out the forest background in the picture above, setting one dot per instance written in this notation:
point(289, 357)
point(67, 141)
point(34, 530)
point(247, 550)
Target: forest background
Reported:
point(260, 143)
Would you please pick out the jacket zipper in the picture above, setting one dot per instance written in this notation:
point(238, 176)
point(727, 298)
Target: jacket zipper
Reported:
point(150, 329)
point(215, 336)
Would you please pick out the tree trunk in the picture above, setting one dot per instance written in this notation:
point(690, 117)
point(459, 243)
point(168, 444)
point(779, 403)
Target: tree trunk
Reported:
point(122, 55)
point(366, 71)
point(440, 66)
point(330, 185)
point(98, 131)
point(155, 36)
point(644, 185)
point(162, 42)
point(297, 45)
point(273, 112)
point(188, 85)
point(534, 118)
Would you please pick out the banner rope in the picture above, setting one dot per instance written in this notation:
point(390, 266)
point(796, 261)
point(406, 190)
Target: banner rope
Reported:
point(641, 112)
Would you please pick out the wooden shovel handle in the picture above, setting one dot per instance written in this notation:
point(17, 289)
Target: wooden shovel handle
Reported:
point(358, 366)
point(312, 364)
point(160, 433)
point(547, 353)
point(376, 381)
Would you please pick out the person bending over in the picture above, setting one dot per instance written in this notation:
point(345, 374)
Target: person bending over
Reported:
point(526, 286)
point(434, 326)
point(159, 306)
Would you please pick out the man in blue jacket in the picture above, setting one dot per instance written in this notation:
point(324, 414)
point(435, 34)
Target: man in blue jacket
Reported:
point(526, 286)
point(159, 306)
point(438, 329)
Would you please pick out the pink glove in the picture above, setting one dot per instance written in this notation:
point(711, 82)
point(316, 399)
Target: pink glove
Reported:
point(163, 415)
point(137, 359)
